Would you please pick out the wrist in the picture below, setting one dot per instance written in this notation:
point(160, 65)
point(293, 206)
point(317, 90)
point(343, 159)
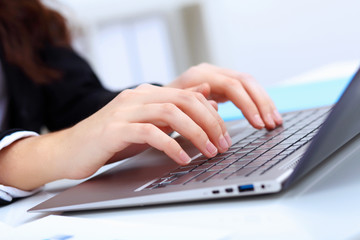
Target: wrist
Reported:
point(30, 162)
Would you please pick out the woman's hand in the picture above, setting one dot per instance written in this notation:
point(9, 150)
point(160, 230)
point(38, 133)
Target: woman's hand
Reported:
point(133, 120)
point(144, 116)
point(221, 85)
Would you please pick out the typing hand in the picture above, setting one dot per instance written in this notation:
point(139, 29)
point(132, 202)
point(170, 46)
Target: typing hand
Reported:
point(240, 88)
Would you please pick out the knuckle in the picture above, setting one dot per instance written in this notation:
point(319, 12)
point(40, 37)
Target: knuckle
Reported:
point(198, 135)
point(265, 109)
point(214, 124)
point(203, 64)
point(245, 77)
point(144, 86)
point(186, 96)
point(128, 93)
point(199, 96)
point(147, 129)
point(168, 108)
point(169, 143)
point(193, 70)
point(232, 83)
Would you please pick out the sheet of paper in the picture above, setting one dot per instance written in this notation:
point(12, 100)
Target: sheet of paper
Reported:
point(7, 232)
point(71, 228)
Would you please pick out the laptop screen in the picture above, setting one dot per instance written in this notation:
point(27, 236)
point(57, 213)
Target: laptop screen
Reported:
point(342, 124)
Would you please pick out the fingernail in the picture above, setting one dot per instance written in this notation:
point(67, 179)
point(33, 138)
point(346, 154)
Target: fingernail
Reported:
point(228, 138)
point(278, 117)
point(223, 143)
point(270, 120)
point(184, 157)
point(212, 150)
point(258, 121)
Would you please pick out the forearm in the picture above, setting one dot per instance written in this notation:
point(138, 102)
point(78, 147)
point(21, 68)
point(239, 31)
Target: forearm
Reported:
point(31, 162)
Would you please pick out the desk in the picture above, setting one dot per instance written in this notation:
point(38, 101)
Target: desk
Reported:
point(324, 205)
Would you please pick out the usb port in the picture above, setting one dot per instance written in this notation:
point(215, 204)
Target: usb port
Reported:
point(246, 188)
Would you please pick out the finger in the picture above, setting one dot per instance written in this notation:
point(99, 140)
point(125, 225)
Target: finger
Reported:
point(234, 91)
point(214, 104)
point(145, 133)
point(212, 107)
point(262, 100)
point(201, 111)
point(167, 114)
point(197, 108)
point(203, 88)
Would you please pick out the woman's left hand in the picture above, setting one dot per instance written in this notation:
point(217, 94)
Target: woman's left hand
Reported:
point(220, 85)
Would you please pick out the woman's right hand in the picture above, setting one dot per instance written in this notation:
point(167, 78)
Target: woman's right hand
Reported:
point(143, 117)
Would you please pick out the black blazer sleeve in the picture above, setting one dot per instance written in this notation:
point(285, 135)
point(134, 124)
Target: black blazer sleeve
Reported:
point(59, 104)
point(78, 93)
point(62, 102)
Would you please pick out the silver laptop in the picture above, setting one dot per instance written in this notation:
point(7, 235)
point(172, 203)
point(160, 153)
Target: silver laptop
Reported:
point(258, 162)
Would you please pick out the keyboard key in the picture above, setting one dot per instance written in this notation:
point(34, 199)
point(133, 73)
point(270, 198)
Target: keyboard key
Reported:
point(218, 176)
point(219, 158)
point(202, 177)
point(184, 169)
point(255, 164)
point(198, 161)
point(242, 172)
point(185, 178)
point(242, 162)
point(216, 168)
point(232, 169)
point(228, 161)
point(257, 152)
point(262, 159)
point(202, 168)
point(273, 152)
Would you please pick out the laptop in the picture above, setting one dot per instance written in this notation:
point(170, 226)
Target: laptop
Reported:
point(259, 162)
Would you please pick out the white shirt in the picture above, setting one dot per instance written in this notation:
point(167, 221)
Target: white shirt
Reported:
point(8, 193)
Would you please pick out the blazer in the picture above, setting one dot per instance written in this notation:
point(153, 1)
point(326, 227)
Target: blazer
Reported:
point(59, 104)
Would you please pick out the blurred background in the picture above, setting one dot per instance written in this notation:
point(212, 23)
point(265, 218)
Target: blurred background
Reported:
point(130, 42)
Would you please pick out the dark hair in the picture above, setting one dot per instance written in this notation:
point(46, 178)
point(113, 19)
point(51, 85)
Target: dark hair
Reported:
point(26, 27)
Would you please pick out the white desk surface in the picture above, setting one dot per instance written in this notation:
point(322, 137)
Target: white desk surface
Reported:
point(324, 205)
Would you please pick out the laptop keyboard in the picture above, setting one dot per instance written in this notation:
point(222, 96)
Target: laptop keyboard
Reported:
point(255, 154)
